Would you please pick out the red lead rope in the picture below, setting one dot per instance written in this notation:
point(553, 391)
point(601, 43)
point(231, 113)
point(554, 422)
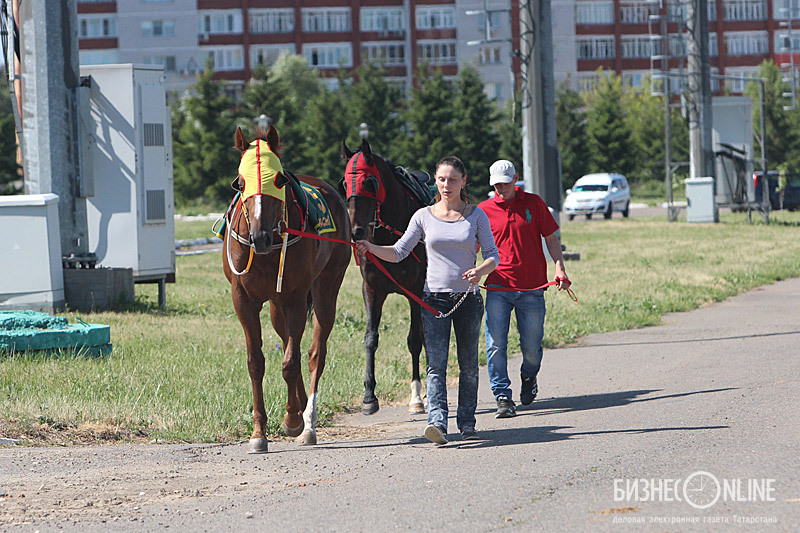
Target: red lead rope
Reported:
point(374, 260)
point(513, 289)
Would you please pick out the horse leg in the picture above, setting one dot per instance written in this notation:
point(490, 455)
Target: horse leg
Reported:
point(414, 342)
point(289, 322)
point(373, 300)
point(248, 311)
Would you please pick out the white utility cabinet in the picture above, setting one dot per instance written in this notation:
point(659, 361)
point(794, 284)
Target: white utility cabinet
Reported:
point(30, 242)
point(700, 200)
point(128, 158)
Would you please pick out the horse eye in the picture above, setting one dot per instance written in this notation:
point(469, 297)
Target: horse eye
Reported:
point(374, 183)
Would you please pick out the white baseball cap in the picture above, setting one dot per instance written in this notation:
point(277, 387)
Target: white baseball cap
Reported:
point(502, 171)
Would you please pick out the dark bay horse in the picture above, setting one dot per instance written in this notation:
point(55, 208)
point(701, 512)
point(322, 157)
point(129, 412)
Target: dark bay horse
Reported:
point(380, 210)
point(314, 271)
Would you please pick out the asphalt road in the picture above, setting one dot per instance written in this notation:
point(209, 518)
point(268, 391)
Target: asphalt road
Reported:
point(624, 425)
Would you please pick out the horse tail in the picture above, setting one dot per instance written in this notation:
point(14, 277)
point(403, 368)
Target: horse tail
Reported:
point(310, 305)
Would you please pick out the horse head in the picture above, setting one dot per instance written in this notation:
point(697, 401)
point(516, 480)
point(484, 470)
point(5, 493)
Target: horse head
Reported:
point(364, 188)
point(262, 182)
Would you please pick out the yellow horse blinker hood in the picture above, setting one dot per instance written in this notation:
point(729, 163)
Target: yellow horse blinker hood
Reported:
point(258, 169)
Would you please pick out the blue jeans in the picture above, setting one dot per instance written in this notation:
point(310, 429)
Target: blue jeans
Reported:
point(466, 322)
point(530, 309)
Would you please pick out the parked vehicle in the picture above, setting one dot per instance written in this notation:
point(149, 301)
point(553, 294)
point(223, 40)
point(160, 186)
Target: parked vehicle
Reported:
point(598, 193)
point(791, 194)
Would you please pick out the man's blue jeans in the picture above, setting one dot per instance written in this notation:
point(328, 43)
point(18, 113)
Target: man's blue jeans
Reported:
point(530, 310)
point(466, 322)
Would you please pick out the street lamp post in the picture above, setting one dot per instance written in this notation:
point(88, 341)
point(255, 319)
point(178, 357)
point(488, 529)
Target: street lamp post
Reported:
point(263, 121)
point(363, 130)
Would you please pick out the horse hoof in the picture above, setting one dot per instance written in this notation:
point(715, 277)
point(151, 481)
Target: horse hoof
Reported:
point(309, 436)
point(416, 408)
point(257, 446)
point(370, 408)
point(292, 432)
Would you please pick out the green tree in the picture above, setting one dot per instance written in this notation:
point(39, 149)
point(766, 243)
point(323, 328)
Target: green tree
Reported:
point(205, 157)
point(783, 142)
point(509, 131)
point(610, 146)
point(325, 123)
point(474, 124)
point(9, 170)
point(375, 102)
point(429, 121)
point(573, 142)
point(645, 121)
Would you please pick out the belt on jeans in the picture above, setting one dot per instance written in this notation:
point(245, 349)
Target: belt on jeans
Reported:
point(453, 295)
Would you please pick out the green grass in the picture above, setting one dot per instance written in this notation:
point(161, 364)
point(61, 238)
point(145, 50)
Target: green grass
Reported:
point(181, 374)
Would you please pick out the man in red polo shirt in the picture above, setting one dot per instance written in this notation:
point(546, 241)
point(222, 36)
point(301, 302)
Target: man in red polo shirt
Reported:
point(519, 220)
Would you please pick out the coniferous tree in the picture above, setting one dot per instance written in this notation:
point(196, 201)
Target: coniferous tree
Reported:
point(375, 102)
point(325, 123)
point(509, 131)
point(203, 149)
point(429, 119)
point(645, 120)
point(476, 138)
point(573, 142)
point(610, 144)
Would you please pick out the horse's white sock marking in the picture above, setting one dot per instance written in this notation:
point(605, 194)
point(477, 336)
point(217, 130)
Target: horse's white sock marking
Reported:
point(416, 392)
point(310, 414)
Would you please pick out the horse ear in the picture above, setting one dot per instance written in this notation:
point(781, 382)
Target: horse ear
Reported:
point(241, 143)
point(367, 151)
point(346, 153)
point(272, 138)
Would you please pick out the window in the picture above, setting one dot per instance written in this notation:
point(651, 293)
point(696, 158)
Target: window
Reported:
point(271, 21)
point(780, 9)
point(600, 47)
point(435, 17)
point(229, 21)
point(97, 26)
point(679, 45)
point(634, 78)
point(328, 55)
point(676, 10)
point(226, 58)
point(158, 28)
point(437, 52)
point(325, 20)
point(168, 62)
point(382, 19)
point(738, 86)
point(638, 46)
point(495, 23)
point(594, 12)
point(744, 9)
point(587, 80)
point(489, 55)
point(98, 57)
point(268, 54)
point(637, 13)
point(747, 43)
point(494, 91)
point(384, 53)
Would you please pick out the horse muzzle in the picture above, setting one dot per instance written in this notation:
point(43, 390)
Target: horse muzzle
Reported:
point(262, 242)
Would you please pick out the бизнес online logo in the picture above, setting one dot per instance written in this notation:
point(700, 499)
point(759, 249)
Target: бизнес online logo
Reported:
point(699, 489)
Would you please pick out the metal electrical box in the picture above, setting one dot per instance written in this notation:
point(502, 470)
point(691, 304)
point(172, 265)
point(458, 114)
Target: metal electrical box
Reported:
point(30, 241)
point(700, 200)
point(129, 154)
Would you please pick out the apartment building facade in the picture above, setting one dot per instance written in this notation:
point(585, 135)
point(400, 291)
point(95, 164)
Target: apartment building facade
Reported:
point(617, 35)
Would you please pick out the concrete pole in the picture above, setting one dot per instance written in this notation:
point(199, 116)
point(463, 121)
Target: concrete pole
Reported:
point(701, 155)
point(540, 166)
point(50, 78)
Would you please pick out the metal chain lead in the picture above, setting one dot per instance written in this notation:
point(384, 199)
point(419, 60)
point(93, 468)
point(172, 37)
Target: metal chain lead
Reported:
point(471, 290)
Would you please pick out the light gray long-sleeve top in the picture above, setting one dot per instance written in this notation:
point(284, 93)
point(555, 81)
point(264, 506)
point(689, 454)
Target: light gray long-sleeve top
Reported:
point(451, 246)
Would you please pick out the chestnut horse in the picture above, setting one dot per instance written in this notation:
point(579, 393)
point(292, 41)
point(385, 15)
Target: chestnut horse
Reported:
point(314, 272)
point(380, 210)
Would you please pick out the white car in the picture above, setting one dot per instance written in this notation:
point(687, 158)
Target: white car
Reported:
point(598, 193)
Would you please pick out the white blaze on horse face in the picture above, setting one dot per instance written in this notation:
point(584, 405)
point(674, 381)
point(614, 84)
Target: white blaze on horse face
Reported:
point(310, 414)
point(257, 209)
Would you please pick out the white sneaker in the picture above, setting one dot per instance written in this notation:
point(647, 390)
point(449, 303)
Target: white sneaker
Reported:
point(435, 434)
